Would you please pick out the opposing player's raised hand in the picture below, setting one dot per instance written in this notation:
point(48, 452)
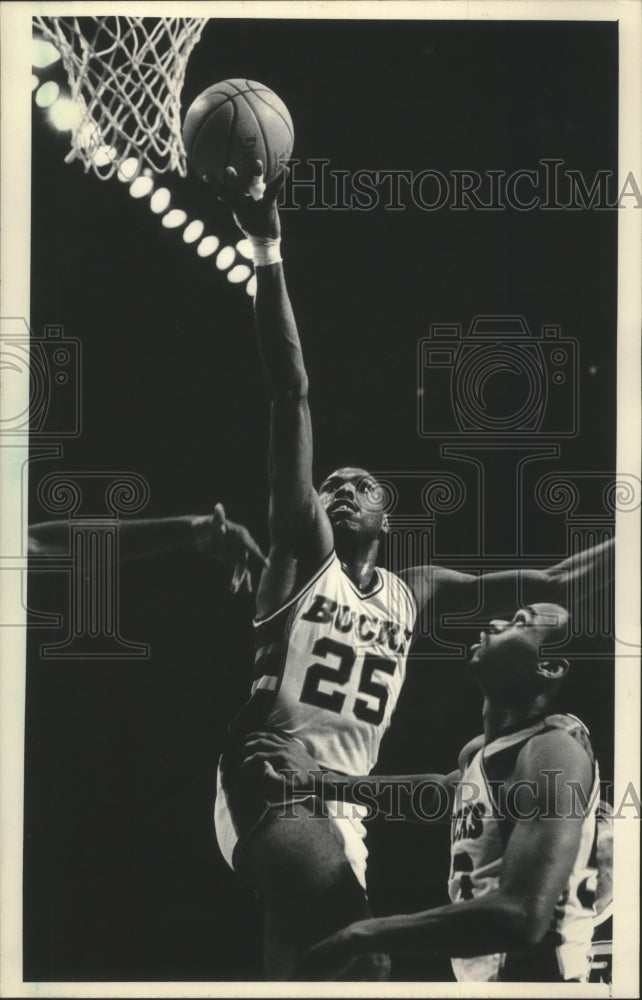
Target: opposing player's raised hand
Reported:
point(254, 205)
point(229, 543)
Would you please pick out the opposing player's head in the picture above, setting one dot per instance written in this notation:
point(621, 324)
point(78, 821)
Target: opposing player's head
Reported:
point(510, 661)
point(355, 504)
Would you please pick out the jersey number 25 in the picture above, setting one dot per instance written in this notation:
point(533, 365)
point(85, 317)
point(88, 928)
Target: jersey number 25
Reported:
point(339, 674)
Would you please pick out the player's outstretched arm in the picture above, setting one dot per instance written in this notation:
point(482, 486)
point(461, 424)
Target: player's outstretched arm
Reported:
point(283, 767)
point(300, 532)
point(538, 860)
point(212, 534)
point(564, 583)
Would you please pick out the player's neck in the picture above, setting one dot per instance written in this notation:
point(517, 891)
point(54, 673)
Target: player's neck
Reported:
point(359, 563)
point(498, 717)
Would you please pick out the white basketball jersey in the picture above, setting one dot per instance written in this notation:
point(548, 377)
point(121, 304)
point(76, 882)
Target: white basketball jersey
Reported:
point(478, 836)
point(330, 665)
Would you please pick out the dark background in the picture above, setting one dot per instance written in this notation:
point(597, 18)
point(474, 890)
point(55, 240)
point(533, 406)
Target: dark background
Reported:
point(123, 879)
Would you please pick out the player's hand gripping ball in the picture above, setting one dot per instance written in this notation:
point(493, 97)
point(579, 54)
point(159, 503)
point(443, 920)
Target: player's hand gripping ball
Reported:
point(233, 124)
point(254, 205)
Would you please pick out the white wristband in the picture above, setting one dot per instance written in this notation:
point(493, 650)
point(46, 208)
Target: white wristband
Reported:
point(266, 250)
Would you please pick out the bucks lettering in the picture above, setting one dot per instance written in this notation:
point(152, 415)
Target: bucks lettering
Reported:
point(366, 628)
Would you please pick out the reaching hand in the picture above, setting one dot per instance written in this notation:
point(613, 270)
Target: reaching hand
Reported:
point(330, 959)
point(280, 763)
point(254, 212)
point(229, 543)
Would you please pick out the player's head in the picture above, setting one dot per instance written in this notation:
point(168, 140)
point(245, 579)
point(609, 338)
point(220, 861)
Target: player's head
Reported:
point(509, 661)
point(355, 503)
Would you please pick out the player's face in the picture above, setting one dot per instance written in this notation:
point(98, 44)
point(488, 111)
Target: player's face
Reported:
point(354, 501)
point(514, 648)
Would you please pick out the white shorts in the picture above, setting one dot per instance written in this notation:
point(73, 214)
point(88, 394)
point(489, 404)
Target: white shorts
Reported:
point(347, 818)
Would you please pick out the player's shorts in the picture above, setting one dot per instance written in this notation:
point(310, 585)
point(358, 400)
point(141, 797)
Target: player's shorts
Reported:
point(538, 964)
point(236, 817)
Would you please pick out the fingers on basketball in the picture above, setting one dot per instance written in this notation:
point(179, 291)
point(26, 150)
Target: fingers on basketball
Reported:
point(233, 181)
point(235, 190)
point(273, 189)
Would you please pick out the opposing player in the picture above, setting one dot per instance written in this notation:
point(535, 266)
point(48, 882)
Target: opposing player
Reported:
point(332, 631)
point(212, 534)
point(523, 802)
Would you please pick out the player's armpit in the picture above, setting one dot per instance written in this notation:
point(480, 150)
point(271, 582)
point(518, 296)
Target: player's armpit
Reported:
point(300, 533)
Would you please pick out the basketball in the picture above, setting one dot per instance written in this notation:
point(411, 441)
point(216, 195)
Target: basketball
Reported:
point(234, 123)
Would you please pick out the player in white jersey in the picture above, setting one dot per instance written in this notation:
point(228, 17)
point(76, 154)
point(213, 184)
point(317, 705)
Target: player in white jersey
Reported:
point(482, 823)
point(329, 666)
point(523, 801)
point(330, 681)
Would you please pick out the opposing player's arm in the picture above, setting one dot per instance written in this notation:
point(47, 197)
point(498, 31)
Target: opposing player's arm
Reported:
point(538, 860)
point(299, 529)
point(212, 534)
point(416, 798)
point(283, 767)
point(588, 570)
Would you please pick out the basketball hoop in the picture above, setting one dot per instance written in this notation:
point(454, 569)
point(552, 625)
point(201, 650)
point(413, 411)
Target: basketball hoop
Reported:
point(126, 76)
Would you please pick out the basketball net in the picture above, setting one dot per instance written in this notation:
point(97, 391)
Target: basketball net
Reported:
point(126, 76)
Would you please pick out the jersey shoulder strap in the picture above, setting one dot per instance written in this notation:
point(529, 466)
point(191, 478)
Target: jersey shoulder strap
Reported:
point(574, 727)
point(259, 622)
point(468, 752)
point(393, 580)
